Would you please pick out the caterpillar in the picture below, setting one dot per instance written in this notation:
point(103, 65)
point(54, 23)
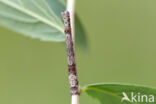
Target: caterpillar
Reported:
point(73, 81)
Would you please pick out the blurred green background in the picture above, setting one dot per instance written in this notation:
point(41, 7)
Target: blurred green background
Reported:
point(122, 48)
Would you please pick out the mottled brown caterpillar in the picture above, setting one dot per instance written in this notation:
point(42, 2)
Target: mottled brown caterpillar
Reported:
point(73, 81)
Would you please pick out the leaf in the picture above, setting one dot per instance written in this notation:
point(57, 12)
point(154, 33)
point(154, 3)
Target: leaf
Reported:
point(115, 93)
point(35, 18)
point(57, 7)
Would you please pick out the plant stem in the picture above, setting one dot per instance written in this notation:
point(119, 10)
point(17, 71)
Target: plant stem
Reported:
point(75, 99)
point(71, 9)
point(73, 79)
point(69, 17)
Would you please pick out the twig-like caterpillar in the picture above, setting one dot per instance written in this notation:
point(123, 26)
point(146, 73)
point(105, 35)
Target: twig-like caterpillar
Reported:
point(73, 81)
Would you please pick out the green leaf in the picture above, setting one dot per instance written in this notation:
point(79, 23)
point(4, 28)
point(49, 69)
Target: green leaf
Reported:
point(114, 93)
point(36, 18)
point(33, 18)
point(57, 6)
